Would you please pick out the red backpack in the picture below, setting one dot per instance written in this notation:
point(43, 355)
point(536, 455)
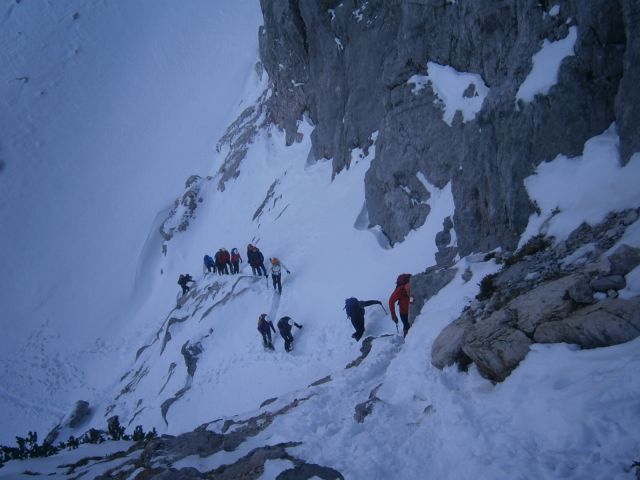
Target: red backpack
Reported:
point(403, 279)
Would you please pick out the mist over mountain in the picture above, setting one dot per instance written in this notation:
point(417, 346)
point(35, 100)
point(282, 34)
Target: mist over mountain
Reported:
point(490, 149)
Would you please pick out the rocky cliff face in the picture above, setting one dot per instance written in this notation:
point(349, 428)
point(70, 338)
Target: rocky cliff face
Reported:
point(548, 294)
point(353, 67)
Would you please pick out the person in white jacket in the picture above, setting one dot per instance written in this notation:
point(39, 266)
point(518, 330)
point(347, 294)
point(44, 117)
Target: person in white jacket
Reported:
point(276, 273)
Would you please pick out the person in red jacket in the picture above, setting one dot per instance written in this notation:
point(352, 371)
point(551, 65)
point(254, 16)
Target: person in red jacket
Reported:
point(402, 296)
point(236, 259)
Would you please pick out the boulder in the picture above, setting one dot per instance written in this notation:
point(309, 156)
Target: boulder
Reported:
point(545, 303)
point(79, 415)
point(581, 292)
point(446, 256)
point(624, 259)
point(447, 347)
point(608, 282)
point(608, 322)
point(495, 346)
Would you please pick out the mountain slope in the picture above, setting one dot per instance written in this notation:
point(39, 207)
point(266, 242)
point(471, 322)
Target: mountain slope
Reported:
point(107, 109)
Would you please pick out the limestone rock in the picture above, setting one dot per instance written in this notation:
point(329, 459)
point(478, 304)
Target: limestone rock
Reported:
point(628, 97)
point(545, 303)
point(496, 347)
point(351, 78)
point(426, 285)
point(608, 322)
point(581, 292)
point(447, 347)
point(364, 409)
point(624, 259)
point(608, 282)
point(79, 415)
point(183, 211)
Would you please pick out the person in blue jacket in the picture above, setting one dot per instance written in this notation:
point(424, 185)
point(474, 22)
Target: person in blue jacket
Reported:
point(209, 264)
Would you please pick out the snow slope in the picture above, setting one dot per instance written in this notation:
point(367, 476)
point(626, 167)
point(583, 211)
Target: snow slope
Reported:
point(563, 413)
point(106, 109)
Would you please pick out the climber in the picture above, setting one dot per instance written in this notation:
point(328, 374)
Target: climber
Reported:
point(256, 260)
point(209, 264)
point(264, 327)
point(401, 295)
point(284, 326)
point(355, 312)
point(226, 260)
point(276, 273)
point(236, 259)
point(222, 260)
point(183, 280)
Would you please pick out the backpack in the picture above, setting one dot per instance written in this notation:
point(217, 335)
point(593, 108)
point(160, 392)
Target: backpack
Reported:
point(352, 307)
point(180, 279)
point(403, 279)
point(283, 323)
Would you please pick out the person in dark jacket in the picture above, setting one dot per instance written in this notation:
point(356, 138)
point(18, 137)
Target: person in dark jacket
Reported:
point(355, 312)
point(209, 264)
point(264, 327)
point(256, 260)
point(236, 260)
point(284, 326)
point(222, 260)
point(183, 280)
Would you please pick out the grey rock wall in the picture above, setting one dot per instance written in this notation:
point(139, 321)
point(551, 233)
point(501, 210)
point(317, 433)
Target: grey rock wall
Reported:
point(345, 64)
point(548, 296)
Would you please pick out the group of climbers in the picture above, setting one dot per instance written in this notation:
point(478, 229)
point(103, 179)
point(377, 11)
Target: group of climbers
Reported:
point(223, 262)
point(265, 327)
point(355, 309)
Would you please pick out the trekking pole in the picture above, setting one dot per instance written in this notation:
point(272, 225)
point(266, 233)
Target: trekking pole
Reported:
point(383, 309)
point(397, 331)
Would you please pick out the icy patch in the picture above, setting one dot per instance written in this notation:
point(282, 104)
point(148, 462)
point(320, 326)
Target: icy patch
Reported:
point(570, 191)
point(359, 13)
point(456, 91)
point(273, 468)
point(553, 12)
point(633, 284)
point(546, 65)
point(419, 82)
point(632, 238)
